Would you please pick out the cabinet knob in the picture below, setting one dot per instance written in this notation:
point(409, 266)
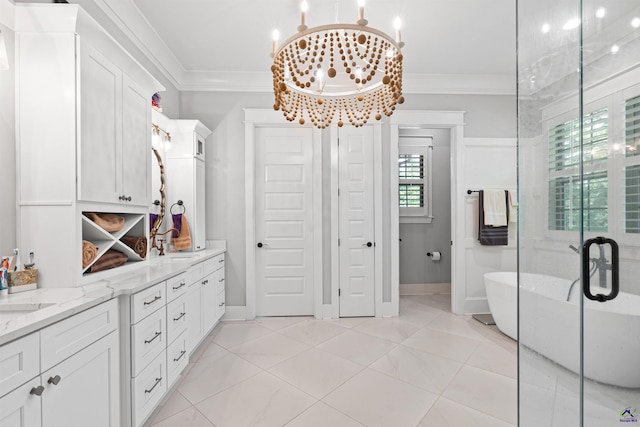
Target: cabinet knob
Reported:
point(121, 198)
point(54, 380)
point(129, 199)
point(37, 390)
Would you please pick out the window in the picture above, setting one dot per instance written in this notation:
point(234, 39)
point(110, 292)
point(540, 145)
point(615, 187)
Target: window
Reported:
point(414, 178)
point(632, 162)
point(564, 173)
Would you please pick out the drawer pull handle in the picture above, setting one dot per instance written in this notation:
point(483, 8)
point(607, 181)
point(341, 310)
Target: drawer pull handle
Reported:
point(175, 319)
point(157, 298)
point(54, 380)
point(221, 280)
point(182, 353)
point(175, 288)
point(221, 260)
point(154, 386)
point(221, 304)
point(204, 282)
point(37, 390)
point(154, 337)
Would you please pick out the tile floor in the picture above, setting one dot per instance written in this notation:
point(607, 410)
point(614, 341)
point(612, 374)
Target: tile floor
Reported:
point(426, 368)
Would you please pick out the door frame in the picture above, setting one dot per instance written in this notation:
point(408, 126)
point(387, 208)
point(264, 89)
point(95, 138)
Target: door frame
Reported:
point(257, 118)
point(454, 121)
point(333, 309)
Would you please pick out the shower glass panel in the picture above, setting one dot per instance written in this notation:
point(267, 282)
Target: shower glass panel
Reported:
point(579, 212)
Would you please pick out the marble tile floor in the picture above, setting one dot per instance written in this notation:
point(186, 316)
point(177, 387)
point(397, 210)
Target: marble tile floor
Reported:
point(426, 368)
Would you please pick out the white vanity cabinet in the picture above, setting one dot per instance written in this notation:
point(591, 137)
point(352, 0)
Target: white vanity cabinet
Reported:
point(77, 379)
point(206, 296)
point(158, 318)
point(83, 120)
point(186, 175)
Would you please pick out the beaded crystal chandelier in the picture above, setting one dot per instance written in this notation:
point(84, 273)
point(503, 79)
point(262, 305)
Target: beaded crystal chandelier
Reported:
point(346, 71)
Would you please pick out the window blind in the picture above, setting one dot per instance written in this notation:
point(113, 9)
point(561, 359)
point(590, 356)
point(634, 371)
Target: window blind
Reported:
point(632, 126)
point(564, 142)
point(564, 202)
point(410, 166)
point(411, 195)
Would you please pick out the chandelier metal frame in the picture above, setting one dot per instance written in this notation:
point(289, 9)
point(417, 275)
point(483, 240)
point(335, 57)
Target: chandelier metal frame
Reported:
point(343, 70)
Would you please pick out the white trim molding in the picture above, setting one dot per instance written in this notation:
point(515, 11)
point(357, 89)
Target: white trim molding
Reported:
point(8, 14)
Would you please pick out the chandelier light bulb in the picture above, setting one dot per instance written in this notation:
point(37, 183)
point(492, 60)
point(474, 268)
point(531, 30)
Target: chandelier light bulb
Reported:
point(361, 20)
point(397, 24)
point(274, 45)
point(304, 7)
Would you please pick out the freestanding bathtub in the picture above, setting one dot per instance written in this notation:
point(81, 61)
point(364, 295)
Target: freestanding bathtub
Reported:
point(550, 325)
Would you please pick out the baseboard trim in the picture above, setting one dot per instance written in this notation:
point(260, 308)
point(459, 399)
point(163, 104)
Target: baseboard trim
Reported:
point(235, 312)
point(425, 288)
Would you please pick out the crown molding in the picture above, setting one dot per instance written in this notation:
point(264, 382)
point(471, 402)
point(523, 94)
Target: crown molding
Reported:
point(8, 14)
point(137, 28)
point(128, 18)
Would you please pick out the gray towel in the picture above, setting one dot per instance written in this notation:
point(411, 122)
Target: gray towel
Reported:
point(489, 235)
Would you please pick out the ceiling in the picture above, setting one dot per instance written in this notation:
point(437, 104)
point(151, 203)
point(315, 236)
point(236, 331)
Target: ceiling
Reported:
point(466, 45)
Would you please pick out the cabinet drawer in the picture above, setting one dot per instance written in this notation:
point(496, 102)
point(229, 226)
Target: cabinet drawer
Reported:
point(213, 264)
point(176, 318)
point(218, 279)
point(21, 408)
point(177, 359)
point(148, 339)
point(176, 286)
point(195, 273)
point(67, 337)
point(146, 302)
point(148, 388)
point(19, 362)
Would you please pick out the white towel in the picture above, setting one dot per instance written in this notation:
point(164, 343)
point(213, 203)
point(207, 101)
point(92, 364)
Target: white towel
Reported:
point(495, 208)
point(513, 206)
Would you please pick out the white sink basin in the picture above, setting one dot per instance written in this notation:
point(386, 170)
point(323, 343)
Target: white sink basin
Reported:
point(9, 311)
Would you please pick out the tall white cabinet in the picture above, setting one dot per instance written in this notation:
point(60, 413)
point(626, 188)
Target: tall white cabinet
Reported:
point(83, 114)
point(186, 175)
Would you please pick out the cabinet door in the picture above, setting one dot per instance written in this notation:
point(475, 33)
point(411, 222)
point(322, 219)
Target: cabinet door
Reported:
point(194, 319)
point(84, 389)
point(199, 232)
point(100, 121)
point(209, 305)
point(20, 408)
point(136, 144)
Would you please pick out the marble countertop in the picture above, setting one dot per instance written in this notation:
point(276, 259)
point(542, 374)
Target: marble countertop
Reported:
point(26, 312)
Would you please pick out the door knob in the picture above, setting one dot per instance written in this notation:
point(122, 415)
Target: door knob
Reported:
point(54, 380)
point(368, 244)
point(260, 244)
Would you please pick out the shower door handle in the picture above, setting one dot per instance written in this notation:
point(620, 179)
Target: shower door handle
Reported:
point(586, 277)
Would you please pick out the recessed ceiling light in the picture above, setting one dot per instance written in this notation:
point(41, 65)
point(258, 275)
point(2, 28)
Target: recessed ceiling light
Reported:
point(601, 12)
point(545, 28)
point(635, 22)
point(615, 49)
point(571, 24)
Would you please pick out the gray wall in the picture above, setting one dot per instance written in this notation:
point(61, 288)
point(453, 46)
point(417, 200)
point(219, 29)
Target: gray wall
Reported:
point(418, 239)
point(8, 149)
point(486, 116)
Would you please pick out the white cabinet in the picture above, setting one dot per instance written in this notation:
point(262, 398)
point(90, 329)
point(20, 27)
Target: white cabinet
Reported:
point(206, 296)
point(186, 175)
point(77, 373)
point(83, 120)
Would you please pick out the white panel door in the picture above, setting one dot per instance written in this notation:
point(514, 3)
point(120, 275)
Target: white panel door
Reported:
point(356, 221)
point(284, 222)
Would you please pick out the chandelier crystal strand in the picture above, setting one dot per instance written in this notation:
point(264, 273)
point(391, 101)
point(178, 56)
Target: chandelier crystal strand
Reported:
point(347, 71)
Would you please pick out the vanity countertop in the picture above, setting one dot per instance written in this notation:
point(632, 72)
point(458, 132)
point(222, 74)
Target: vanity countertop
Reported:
point(26, 312)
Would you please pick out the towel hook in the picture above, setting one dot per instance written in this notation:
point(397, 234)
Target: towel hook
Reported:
point(179, 203)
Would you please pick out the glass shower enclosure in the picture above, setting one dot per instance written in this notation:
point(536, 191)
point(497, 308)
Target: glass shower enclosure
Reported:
point(579, 212)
